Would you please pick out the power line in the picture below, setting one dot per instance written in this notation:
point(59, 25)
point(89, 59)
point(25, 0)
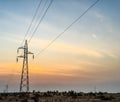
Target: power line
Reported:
point(32, 21)
point(39, 17)
point(40, 21)
point(68, 27)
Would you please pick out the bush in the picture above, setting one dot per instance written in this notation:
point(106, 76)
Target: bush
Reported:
point(106, 97)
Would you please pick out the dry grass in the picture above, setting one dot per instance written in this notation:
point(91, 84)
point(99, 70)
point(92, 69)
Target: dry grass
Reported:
point(56, 96)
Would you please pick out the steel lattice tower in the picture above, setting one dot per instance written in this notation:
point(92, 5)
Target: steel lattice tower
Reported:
point(24, 82)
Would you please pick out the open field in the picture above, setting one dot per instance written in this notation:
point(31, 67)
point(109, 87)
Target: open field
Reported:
point(55, 96)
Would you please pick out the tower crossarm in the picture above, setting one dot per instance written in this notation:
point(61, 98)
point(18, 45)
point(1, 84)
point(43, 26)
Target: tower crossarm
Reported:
point(31, 54)
point(20, 48)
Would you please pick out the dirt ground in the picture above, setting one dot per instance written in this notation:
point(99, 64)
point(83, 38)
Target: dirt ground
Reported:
point(55, 96)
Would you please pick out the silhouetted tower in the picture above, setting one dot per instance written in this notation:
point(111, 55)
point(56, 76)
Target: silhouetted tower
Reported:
point(24, 82)
point(6, 89)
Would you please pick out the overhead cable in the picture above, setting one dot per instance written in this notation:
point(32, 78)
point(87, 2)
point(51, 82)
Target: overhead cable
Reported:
point(40, 21)
point(68, 27)
point(33, 18)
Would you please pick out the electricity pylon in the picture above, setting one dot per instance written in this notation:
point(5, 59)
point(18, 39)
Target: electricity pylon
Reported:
point(24, 82)
point(6, 89)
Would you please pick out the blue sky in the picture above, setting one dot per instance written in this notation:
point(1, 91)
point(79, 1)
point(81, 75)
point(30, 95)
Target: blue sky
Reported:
point(85, 56)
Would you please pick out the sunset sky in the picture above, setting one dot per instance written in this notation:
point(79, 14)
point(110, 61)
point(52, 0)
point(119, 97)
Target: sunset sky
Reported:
point(85, 56)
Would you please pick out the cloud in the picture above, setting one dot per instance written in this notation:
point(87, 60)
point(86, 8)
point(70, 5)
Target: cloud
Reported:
point(100, 16)
point(13, 18)
point(110, 53)
point(67, 48)
point(94, 36)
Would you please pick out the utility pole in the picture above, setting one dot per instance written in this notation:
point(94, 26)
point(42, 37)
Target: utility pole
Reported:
point(95, 89)
point(24, 82)
point(6, 89)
